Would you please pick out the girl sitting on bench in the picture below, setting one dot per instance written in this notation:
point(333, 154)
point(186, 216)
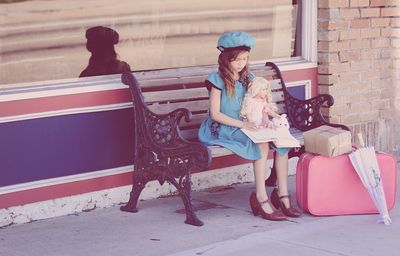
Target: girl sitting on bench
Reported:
point(222, 127)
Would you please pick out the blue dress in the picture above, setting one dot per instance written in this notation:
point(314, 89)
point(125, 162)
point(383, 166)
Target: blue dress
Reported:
point(232, 138)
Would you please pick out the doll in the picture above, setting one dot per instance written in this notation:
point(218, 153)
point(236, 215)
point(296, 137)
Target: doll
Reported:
point(257, 104)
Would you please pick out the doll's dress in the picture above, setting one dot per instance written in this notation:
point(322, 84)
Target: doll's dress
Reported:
point(254, 110)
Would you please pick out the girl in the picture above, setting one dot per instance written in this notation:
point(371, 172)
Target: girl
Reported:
point(257, 103)
point(222, 127)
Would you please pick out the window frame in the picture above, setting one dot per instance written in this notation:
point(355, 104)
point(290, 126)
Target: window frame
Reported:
point(305, 83)
point(309, 36)
point(308, 59)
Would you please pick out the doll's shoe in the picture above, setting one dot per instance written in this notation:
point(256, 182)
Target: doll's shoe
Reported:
point(258, 210)
point(278, 204)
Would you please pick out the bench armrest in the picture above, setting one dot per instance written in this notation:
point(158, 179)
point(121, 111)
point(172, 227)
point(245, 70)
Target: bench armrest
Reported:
point(306, 114)
point(164, 130)
point(158, 140)
point(177, 116)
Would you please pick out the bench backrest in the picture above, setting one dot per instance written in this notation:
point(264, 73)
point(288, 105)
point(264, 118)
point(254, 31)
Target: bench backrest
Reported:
point(170, 93)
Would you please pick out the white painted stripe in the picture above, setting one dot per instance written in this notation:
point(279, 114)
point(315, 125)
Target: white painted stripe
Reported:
point(285, 65)
point(304, 65)
point(67, 89)
point(65, 179)
point(70, 111)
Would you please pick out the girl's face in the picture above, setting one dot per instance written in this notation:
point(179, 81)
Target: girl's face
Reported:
point(238, 63)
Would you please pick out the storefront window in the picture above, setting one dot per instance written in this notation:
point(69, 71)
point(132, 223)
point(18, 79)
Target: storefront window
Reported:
point(45, 40)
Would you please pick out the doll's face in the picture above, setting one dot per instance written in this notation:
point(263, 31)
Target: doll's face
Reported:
point(240, 61)
point(262, 94)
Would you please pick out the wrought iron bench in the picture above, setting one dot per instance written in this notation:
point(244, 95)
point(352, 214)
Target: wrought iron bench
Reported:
point(165, 147)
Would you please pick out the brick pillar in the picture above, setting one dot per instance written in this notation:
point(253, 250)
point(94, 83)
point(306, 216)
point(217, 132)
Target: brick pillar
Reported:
point(358, 64)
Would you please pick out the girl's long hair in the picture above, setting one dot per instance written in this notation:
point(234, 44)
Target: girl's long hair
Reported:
point(255, 86)
point(226, 72)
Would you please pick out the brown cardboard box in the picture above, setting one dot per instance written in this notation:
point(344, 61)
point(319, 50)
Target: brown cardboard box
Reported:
point(327, 141)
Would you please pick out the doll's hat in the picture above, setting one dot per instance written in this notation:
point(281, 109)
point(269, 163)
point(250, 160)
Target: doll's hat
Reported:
point(236, 39)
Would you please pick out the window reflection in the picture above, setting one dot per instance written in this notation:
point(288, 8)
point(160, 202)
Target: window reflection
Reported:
point(45, 40)
point(103, 60)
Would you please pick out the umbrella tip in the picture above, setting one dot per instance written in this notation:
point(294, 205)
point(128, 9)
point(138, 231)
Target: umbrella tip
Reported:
point(385, 220)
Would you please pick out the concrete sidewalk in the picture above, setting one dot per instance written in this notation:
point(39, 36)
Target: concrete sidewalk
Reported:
point(230, 229)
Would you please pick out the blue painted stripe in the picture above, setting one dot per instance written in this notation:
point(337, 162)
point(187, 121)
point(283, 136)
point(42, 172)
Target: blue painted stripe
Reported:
point(43, 148)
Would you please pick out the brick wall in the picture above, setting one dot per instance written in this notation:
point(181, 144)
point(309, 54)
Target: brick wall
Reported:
point(359, 64)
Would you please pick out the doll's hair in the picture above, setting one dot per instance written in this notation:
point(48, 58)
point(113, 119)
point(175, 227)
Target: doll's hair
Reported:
point(226, 73)
point(255, 86)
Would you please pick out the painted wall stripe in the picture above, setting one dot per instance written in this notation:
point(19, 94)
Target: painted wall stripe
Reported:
point(38, 149)
point(65, 179)
point(38, 105)
point(64, 190)
point(64, 112)
point(59, 88)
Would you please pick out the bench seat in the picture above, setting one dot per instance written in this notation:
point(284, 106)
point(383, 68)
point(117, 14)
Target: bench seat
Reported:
point(217, 151)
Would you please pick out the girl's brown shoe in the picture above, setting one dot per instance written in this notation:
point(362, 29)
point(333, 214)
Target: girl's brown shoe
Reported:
point(258, 210)
point(278, 204)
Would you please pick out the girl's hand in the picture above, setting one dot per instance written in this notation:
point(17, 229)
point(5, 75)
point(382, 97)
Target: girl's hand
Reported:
point(249, 126)
point(265, 120)
point(270, 125)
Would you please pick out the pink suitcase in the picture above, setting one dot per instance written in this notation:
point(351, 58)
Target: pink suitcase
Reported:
point(331, 186)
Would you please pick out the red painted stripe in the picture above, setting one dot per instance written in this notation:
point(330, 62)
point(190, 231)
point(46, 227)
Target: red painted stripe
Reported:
point(64, 190)
point(53, 103)
point(303, 74)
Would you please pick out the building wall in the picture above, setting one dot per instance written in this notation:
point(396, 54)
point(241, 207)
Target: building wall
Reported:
point(67, 145)
point(359, 62)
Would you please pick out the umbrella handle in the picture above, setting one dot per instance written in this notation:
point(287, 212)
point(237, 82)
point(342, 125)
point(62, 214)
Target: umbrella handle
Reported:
point(360, 139)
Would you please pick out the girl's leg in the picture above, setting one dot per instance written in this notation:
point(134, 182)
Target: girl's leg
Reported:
point(282, 164)
point(259, 175)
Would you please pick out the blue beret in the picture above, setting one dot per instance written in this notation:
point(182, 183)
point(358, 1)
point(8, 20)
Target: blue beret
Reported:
point(235, 39)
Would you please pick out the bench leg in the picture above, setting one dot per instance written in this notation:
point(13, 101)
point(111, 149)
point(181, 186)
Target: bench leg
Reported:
point(184, 190)
point(271, 181)
point(133, 198)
